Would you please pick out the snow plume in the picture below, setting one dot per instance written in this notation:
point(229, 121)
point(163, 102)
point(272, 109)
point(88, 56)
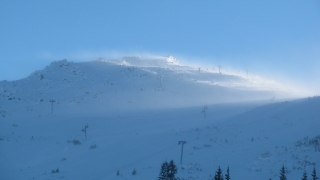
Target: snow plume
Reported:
point(138, 61)
point(84, 56)
point(260, 79)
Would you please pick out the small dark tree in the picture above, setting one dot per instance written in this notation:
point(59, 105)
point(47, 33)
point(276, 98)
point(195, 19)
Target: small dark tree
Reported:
point(172, 170)
point(168, 171)
point(163, 171)
point(304, 176)
point(283, 174)
point(228, 174)
point(314, 174)
point(219, 174)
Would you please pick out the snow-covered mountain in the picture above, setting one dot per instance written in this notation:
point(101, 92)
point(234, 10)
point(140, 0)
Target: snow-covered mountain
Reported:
point(138, 109)
point(133, 82)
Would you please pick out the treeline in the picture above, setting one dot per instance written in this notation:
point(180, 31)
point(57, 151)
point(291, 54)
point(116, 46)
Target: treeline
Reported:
point(169, 170)
point(304, 175)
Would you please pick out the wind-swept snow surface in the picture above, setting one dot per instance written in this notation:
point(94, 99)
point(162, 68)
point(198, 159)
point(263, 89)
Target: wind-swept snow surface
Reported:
point(137, 110)
point(133, 82)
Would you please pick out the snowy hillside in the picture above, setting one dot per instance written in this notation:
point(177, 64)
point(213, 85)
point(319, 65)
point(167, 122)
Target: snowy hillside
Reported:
point(132, 82)
point(137, 110)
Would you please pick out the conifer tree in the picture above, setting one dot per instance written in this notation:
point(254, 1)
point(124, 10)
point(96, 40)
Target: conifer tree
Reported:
point(283, 174)
point(314, 174)
point(218, 175)
point(304, 176)
point(228, 174)
point(172, 170)
point(163, 171)
point(168, 171)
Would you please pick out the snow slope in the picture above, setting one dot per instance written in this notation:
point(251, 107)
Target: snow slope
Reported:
point(130, 83)
point(135, 122)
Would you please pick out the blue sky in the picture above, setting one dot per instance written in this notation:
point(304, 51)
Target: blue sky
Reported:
point(280, 39)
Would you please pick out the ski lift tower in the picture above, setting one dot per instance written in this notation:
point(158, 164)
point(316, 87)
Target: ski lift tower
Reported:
point(182, 143)
point(52, 101)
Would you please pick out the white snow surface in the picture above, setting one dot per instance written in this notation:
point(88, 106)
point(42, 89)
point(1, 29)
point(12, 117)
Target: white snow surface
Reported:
point(138, 109)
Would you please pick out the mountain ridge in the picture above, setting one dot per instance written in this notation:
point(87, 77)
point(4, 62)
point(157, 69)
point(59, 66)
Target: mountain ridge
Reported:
point(154, 83)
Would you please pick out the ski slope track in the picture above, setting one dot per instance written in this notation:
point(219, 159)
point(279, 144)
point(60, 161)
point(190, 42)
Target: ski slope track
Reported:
point(138, 109)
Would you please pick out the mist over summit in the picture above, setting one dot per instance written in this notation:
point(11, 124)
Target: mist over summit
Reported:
point(138, 61)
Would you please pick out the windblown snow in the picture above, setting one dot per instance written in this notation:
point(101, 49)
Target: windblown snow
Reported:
point(138, 109)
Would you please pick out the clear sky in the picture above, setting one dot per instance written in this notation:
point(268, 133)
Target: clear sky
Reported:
point(278, 39)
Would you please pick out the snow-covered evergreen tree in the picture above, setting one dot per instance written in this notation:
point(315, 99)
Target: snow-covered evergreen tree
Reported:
point(283, 174)
point(304, 176)
point(172, 170)
point(163, 171)
point(168, 171)
point(314, 174)
point(219, 174)
point(228, 174)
